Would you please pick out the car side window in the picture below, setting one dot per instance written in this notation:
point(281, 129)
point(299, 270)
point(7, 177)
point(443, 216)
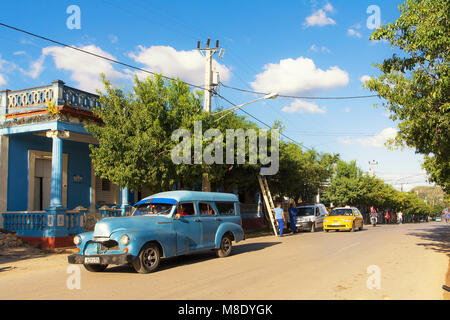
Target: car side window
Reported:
point(206, 209)
point(225, 208)
point(186, 209)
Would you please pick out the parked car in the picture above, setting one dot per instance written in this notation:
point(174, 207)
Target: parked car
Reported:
point(310, 217)
point(163, 225)
point(348, 218)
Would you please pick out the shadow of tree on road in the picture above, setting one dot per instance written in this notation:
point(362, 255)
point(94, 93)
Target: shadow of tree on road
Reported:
point(198, 257)
point(437, 237)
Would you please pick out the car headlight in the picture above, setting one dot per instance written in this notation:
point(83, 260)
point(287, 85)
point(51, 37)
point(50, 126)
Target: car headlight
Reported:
point(77, 240)
point(125, 239)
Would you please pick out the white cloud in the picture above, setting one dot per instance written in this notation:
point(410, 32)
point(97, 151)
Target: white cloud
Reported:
point(187, 65)
point(365, 78)
point(320, 18)
point(293, 76)
point(314, 48)
point(325, 49)
point(353, 33)
point(113, 38)
point(328, 7)
point(85, 69)
point(345, 140)
point(379, 139)
point(301, 106)
point(2, 80)
point(17, 53)
point(347, 109)
point(36, 68)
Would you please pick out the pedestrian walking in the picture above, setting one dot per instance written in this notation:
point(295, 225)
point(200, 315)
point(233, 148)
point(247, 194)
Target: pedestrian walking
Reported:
point(400, 217)
point(279, 217)
point(293, 217)
point(386, 216)
point(373, 216)
point(447, 217)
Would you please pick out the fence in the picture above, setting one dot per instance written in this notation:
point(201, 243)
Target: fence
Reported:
point(35, 223)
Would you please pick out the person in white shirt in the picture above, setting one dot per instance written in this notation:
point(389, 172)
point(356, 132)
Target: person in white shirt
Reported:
point(400, 217)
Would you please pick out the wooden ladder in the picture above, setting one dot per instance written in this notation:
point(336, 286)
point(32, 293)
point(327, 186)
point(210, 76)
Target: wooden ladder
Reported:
point(268, 202)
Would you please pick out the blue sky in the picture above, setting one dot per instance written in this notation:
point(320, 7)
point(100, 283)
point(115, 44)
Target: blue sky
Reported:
point(302, 48)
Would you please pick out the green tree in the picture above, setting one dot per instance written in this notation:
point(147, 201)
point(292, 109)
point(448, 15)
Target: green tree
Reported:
point(134, 138)
point(415, 82)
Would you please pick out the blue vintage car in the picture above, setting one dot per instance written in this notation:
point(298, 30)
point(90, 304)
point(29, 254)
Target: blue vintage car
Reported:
point(163, 225)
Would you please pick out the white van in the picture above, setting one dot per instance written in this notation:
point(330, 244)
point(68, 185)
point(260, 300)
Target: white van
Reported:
point(310, 217)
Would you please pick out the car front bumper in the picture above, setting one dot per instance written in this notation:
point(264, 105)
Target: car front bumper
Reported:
point(306, 225)
point(103, 259)
point(335, 227)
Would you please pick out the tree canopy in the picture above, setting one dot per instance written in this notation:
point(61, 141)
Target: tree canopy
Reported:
point(415, 82)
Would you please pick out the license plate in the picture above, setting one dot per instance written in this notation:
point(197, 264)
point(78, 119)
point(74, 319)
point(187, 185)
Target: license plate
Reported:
point(336, 224)
point(92, 260)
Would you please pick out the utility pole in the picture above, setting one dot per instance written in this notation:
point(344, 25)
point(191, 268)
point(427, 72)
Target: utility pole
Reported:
point(372, 165)
point(211, 80)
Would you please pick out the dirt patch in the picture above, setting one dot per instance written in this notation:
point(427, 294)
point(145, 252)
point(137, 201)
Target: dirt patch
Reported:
point(13, 249)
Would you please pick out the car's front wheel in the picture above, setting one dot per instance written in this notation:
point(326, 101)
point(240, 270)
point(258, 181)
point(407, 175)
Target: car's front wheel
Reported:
point(225, 246)
point(148, 259)
point(95, 267)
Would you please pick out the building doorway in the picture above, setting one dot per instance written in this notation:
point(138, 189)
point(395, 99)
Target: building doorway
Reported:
point(42, 184)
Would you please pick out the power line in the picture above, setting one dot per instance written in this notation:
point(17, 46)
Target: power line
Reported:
point(300, 97)
point(282, 134)
point(96, 55)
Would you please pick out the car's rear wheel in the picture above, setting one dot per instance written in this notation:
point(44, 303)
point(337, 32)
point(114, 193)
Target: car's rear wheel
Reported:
point(225, 246)
point(148, 259)
point(95, 267)
point(362, 226)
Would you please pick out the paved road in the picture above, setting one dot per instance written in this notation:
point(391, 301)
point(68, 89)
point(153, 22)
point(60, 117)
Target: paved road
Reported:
point(412, 261)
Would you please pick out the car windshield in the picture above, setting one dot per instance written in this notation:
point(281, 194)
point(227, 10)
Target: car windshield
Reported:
point(148, 208)
point(342, 212)
point(305, 211)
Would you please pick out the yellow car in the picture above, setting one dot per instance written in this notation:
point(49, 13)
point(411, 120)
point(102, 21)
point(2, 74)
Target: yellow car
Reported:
point(348, 218)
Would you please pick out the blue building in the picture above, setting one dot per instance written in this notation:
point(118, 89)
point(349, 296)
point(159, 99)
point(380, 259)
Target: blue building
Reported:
point(47, 182)
point(45, 170)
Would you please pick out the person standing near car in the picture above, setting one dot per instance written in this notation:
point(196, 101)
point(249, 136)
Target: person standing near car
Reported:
point(386, 216)
point(292, 218)
point(279, 217)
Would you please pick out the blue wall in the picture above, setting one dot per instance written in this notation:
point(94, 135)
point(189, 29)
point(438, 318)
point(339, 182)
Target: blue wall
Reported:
point(79, 164)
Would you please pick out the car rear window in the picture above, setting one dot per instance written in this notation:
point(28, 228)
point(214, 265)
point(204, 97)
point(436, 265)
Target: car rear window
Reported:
point(342, 212)
point(226, 208)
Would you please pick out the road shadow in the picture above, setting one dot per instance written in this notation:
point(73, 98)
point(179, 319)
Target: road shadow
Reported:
point(197, 257)
point(10, 255)
point(437, 237)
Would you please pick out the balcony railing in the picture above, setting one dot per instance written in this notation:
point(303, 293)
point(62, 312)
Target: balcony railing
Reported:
point(37, 98)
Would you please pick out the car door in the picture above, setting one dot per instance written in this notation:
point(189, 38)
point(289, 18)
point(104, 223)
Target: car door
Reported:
point(359, 218)
point(188, 228)
point(210, 222)
point(321, 217)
